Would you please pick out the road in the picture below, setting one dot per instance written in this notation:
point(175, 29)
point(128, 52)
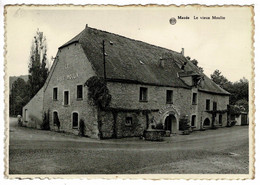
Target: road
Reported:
point(221, 151)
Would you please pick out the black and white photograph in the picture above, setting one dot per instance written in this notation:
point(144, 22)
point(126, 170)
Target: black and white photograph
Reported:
point(131, 90)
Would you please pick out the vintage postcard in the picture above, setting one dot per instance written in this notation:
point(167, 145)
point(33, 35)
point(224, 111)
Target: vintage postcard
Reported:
point(136, 92)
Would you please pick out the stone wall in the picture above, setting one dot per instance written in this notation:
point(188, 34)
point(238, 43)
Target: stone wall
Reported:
point(113, 124)
point(222, 102)
point(33, 111)
point(70, 69)
point(127, 96)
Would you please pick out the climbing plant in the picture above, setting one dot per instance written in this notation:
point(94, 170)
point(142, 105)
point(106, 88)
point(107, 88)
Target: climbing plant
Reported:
point(45, 122)
point(98, 93)
point(81, 127)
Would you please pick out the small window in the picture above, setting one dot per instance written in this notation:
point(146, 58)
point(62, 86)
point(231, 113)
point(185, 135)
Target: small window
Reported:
point(193, 121)
point(75, 120)
point(220, 119)
point(128, 121)
point(55, 93)
point(66, 97)
point(207, 104)
point(214, 106)
point(194, 98)
point(143, 94)
point(169, 94)
point(55, 118)
point(79, 91)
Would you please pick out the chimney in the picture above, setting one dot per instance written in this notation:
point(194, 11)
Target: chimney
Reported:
point(182, 51)
point(86, 26)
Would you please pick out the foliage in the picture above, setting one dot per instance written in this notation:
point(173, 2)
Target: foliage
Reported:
point(18, 96)
point(232, 123)
point(98, 92)
point(183, 123)
point(243, 104)
point(46, 121)
point(238, 90)
point(38, 71)
point(159, 126)
point(81, 127)
point(235, 110)
point(195, 62)
point(219, 79)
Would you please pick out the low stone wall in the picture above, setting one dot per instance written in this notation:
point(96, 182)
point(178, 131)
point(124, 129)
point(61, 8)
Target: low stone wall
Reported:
point(154, 135)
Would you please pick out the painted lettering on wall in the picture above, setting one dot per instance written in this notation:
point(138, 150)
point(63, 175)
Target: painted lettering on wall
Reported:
point(72, 76)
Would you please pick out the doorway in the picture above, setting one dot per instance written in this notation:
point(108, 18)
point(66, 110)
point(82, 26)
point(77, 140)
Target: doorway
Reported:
point(170, 124)
point(206, 122)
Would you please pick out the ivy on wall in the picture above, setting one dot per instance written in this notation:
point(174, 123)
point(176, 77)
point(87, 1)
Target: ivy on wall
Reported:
point(98, 93)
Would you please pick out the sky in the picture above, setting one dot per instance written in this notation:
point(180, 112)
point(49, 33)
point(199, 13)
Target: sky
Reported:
point(223, 44)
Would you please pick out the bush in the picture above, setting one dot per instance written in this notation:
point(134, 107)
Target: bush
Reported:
point(183, 124)
point(81, 128)
point(159, 126)
point(46, 122)
point(233, 123)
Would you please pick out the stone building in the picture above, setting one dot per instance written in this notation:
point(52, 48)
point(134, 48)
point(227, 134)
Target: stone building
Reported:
point(148, 84)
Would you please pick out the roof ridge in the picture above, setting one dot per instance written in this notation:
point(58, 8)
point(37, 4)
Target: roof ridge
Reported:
point(115, 34)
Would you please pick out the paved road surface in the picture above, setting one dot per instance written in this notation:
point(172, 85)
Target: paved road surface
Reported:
point(32, 151)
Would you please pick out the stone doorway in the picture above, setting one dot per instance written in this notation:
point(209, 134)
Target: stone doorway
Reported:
point(170, 124)
point(206, 123)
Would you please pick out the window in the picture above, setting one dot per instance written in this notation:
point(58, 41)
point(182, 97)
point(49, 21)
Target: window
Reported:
point(55, 93)
point(75, 119)
point(193, 121)
point(194, 98)
point(214, 105)
point(55, 118)
point(66, 97)
point(220, 119)
point(207, 104)
point(79, 91)
point(169, 96)
point(143, 94)
point(128, 121)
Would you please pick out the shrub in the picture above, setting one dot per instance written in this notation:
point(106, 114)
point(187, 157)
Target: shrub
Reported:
point(183, 124)
point(81, 127)
point(233, 123)
point(159, 126)
point(46, 122)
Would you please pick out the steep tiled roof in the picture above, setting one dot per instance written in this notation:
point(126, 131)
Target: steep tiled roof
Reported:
point(136, 61)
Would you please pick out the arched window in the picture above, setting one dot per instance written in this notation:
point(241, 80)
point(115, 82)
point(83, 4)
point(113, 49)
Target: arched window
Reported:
point(75, 120)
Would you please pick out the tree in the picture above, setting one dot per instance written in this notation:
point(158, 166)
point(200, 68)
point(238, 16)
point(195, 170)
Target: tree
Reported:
point(18, 97)
point(238, 90)
point(219, 79)
point(38, 71)
point(195, 62)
